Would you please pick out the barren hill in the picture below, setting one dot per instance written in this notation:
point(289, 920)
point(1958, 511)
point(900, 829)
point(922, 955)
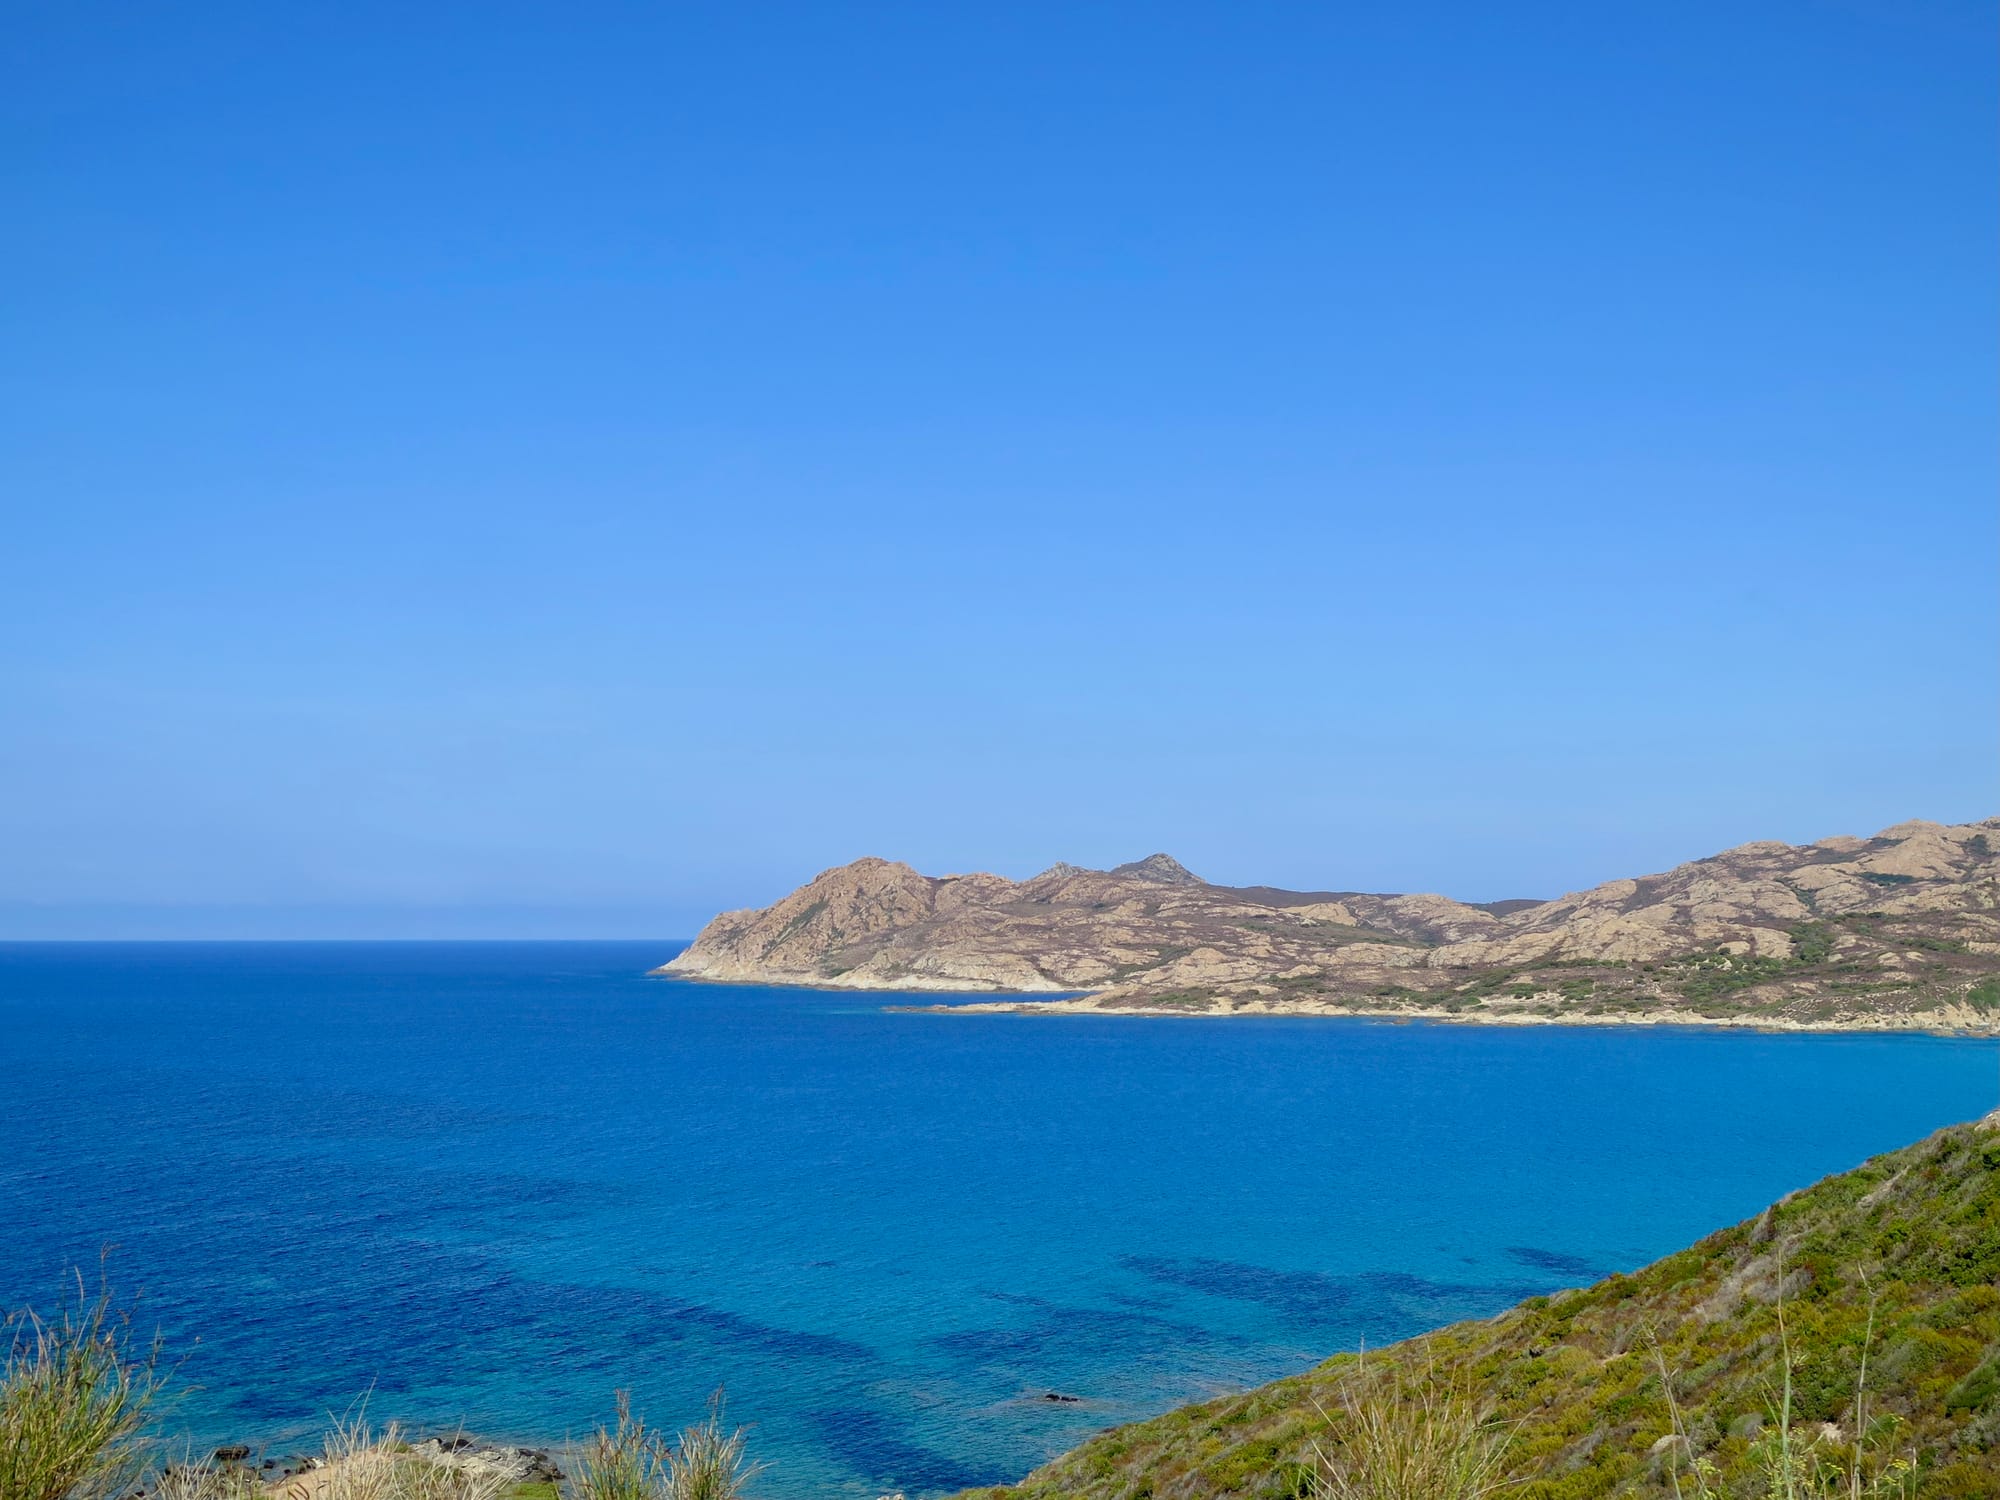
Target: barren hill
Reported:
point(1902, 930)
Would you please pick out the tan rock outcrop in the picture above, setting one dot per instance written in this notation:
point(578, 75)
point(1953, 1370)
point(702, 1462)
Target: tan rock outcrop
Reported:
point(1906, 923)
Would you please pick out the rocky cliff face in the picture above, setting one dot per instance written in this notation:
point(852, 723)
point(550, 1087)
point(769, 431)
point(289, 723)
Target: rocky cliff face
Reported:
point(1902, 928)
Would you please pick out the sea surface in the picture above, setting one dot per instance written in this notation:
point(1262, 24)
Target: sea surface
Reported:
point(491, 1184)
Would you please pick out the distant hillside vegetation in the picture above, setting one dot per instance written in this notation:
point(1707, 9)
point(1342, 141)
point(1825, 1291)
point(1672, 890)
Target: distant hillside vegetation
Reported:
point(1577, 1376)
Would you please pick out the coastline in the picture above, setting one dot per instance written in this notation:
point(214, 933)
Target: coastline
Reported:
point(834, 986)
point(1960, 1021)
point(821, 982)
point(1895, 933)
point(1928, 1023)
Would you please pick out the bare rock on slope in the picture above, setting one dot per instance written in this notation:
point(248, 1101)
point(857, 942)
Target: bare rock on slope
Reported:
point(1163, 868)
point(1905, 924)
point(1754, 895)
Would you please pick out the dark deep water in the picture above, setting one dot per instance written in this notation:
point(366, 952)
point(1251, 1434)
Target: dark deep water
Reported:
point(494, 1182)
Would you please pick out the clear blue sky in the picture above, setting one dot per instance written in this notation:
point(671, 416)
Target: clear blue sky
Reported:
point(558, 470)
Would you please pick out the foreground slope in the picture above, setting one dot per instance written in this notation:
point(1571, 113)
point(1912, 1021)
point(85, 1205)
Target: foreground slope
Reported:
point(1902, 929)
point(1915, 1232)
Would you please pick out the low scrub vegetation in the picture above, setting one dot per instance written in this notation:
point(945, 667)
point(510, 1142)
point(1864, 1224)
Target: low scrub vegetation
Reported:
point(82, 1402)
point(1844, 1342)
point(1409, 1435)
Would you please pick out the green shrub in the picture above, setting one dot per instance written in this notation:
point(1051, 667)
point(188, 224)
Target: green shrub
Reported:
point(1976, 1391)
point(1812, 943)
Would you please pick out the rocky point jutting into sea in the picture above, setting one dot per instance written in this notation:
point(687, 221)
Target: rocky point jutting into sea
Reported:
point(1899, 931)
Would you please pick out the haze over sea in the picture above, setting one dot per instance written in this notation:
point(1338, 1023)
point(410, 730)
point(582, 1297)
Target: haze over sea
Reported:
point(494, 1182)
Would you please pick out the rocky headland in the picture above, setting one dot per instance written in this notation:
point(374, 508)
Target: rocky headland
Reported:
point(1898, 931)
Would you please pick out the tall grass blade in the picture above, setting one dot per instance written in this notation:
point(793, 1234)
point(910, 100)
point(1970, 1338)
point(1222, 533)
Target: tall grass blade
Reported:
point(75, 1402)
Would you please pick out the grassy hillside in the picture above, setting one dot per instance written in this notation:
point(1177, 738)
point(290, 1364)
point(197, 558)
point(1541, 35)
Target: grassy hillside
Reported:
point(1573, 1383)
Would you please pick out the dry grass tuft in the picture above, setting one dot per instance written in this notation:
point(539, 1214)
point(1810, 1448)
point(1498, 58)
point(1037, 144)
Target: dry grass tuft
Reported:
point(1429, 1438)
point(361, 1464)
point(625, 1462)
point(75, 1401)
point(709, 1462)
point(632, 1462)
point(356, 1463)
point(192, 1479)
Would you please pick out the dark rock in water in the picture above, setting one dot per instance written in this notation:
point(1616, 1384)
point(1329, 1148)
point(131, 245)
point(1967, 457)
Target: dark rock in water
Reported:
point(541, 1467)
point(270, 1463)
point(453, 1444)
point(234, 1453)
point(1059, 1396)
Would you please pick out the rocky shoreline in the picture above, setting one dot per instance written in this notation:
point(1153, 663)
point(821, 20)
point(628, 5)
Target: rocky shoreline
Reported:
point(1956, 1021)
point(297, 1476)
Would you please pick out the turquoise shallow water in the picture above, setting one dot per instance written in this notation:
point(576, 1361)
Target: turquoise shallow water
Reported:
point(494, 1182)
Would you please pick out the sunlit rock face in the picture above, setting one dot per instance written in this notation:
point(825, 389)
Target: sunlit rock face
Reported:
point(1901, 927)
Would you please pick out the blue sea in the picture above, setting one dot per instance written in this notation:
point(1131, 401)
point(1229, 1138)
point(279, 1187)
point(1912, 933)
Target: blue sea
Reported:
point(492, 1183)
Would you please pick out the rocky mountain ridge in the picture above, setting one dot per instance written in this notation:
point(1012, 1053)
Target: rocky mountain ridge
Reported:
point(1899, 929)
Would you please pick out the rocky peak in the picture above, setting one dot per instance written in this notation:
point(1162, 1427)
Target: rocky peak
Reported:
point(1062, 869)
point(1162, 869)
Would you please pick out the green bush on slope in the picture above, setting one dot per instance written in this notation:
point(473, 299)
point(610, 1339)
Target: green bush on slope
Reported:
point(1577, 1377)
